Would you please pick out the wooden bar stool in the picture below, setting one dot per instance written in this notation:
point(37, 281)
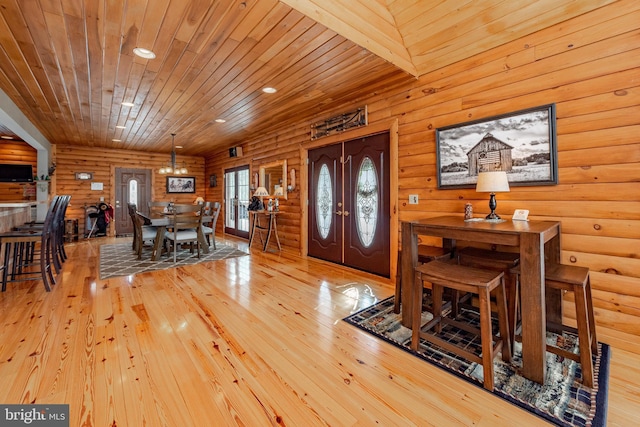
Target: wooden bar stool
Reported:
point(426, 254)
point(464, 279)
point(573, 278)
point(497, 261)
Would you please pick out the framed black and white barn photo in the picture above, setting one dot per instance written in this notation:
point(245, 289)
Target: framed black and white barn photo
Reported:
point(522, 143)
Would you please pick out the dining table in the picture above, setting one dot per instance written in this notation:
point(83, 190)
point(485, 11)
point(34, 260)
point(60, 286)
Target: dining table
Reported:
point(162, 221)
point(536, 241)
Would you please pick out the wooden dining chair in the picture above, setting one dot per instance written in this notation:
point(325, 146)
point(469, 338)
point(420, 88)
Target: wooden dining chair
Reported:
point(142, 233)
point(131, 210)
point(186, 227)
point(209, 229)
point(158, 207)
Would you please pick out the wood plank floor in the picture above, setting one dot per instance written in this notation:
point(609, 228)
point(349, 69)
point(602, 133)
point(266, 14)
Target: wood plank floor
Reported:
point(251, 341)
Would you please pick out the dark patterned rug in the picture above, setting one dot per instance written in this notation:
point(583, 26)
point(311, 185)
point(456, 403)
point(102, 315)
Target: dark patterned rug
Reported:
point(563, 400)
point(120, 260)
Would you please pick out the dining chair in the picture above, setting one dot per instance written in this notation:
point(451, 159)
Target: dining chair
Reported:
point(131, 209)
point(142, 233)
point(209, 229)
point(157, 207)
point(186, 227)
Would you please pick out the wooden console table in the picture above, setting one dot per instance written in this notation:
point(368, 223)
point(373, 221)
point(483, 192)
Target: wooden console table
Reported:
point(536, 241)
point(271, 227)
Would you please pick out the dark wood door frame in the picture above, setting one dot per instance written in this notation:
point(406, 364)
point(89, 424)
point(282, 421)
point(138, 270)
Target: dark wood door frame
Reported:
point(390, 126)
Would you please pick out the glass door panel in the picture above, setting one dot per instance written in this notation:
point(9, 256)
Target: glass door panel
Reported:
point(236, 190)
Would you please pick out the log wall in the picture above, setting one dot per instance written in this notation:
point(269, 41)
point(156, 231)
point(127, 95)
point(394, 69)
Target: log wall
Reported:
point(590, 68)
point(103, 162)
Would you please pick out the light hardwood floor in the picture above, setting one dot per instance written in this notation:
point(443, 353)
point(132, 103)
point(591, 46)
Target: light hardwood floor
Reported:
point(253, 341)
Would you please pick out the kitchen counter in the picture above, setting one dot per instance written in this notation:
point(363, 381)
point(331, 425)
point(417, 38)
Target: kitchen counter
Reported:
point(14, 213)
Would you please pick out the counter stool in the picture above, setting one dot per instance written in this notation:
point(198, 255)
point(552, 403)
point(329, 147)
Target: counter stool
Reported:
point(21, 245)
point(426, 254)
point(497, 261)
point(574, 278)
point(464, 279)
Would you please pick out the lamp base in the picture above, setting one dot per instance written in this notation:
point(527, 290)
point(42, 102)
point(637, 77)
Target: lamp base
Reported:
point(493, 204)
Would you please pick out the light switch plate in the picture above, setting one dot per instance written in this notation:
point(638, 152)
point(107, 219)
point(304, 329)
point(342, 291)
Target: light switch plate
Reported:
point(413, 199)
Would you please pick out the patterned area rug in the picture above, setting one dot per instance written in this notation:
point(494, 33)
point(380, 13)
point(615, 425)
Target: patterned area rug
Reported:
point(120, 260)
point(563, 400)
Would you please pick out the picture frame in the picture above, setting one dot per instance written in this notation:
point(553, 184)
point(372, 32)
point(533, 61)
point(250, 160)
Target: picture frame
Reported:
point(213, 181)
point(181, 184)
point(523, 143)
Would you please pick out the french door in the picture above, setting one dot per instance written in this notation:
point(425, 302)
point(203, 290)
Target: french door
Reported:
point(349, 214)
point(236, 197)
point(132, 186)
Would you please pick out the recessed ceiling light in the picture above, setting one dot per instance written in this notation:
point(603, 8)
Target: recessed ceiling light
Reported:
point(121, 127)
point(269, 90)
point(128, 104)
point(220, 120)
point(178, 146)
point(116, 140)
point(144, 53)
point(6, 137)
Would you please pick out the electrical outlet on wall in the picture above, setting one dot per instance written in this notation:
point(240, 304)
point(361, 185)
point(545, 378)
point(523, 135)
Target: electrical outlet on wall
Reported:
point(413, 199)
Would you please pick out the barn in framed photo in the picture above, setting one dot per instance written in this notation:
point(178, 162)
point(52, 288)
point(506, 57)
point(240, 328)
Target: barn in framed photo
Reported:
point(522, 143)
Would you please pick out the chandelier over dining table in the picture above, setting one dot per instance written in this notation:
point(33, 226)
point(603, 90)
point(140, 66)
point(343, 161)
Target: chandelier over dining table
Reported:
point(172, 168)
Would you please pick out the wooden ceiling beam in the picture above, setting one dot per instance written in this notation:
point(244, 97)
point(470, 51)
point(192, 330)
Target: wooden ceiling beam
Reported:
point(363, 22)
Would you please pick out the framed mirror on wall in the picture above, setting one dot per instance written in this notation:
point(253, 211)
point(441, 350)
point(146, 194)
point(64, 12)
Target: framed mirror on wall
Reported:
point(273, 177)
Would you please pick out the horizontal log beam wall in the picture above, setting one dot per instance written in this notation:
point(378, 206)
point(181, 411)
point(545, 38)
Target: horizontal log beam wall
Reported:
point(100, 162)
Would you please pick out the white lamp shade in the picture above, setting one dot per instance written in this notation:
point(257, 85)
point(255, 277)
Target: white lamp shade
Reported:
point(492, 182)
point(261, 192)
point(279, 191)
point(199, 200)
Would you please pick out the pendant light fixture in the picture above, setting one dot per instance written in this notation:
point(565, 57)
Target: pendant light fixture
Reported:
point(172, 168)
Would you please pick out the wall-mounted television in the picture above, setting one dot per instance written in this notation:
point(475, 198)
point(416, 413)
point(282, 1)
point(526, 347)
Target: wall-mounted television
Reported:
point(16, 173)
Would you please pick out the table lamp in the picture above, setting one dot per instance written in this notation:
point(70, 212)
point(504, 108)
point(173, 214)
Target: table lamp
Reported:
point(261, 192)
point(492, 182)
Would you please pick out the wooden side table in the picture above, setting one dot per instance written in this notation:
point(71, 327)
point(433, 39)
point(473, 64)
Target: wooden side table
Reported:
point(271, 227)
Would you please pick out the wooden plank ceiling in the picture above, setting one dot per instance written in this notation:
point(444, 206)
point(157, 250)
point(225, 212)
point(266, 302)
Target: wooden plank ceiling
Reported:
point(69, 65)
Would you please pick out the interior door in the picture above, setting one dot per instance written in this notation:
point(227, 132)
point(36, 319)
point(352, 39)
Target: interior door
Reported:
point(132, 186)
point(325, 199)
point(366, 204)
point(349, 214)
point(236, 197)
